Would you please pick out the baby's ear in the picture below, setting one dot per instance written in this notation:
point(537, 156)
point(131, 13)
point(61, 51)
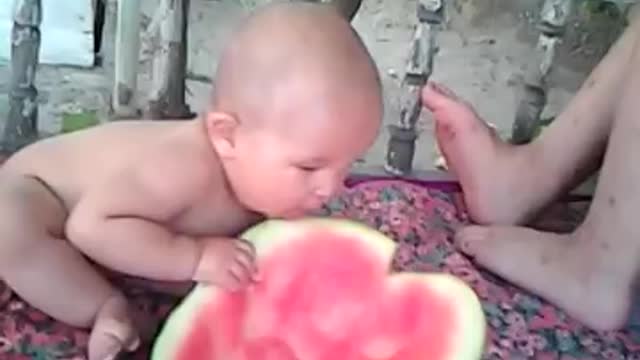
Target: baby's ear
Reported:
point(221, 130)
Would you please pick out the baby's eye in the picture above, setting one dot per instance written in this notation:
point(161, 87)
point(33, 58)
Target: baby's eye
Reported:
point(307, 168)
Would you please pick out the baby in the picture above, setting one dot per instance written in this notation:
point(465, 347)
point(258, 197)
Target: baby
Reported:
point(297, 99)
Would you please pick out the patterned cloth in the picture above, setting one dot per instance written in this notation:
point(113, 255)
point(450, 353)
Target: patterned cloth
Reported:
point(422, 220)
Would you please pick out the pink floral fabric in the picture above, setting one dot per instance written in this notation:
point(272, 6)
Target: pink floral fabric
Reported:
point(422, 220)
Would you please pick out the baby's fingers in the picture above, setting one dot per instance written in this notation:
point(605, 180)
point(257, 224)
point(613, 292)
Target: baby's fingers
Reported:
point(240, 275)
point(246, 257)
point(246, 247)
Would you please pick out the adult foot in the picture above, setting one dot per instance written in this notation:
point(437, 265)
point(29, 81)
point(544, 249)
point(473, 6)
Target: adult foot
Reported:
point(493, 174)
point(113, 331)
point(569, 270)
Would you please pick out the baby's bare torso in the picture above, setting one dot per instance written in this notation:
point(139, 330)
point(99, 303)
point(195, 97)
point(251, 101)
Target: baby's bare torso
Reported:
point(86, 160)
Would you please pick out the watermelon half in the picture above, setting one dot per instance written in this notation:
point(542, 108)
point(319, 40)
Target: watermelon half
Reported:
point(326, 294)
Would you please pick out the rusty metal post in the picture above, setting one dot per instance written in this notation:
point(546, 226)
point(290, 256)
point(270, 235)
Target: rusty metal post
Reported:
point(553, 20)
point(403, 136)
point(22, 123)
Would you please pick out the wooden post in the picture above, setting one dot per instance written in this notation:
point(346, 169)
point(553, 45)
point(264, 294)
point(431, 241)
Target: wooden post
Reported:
point(552, 25)
point(349, 8)
point(99, 12)
point(401, 145)
point(167, 99)
point(22, 124)
point(126, 59)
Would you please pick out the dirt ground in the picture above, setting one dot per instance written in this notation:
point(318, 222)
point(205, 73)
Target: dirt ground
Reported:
point(483, 54)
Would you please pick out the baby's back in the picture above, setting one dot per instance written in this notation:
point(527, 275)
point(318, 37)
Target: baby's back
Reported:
point(73, 162)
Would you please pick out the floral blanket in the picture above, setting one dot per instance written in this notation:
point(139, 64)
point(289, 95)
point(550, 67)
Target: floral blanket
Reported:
point(422, 219)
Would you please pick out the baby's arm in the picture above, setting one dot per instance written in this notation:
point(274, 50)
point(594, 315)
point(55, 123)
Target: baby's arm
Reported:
point(121, 225)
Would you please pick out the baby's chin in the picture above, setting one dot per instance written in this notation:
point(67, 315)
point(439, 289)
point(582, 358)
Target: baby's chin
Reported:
point(293, 215)
point(296, 214)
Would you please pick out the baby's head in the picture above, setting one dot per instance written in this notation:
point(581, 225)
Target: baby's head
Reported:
point(297, 100)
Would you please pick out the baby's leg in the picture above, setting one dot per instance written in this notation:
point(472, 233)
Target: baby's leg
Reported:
point(43, 269)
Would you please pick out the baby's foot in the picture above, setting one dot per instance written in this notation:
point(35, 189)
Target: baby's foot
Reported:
point(491, 171)
point(113, 331)
point(563, 269)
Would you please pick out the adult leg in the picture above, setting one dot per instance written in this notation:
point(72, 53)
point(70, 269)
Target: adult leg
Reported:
point(43, 269)
point(591, 272)
point(505, 184)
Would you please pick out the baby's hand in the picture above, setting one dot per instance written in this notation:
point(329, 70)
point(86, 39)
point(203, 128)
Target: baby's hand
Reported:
point(228, 263)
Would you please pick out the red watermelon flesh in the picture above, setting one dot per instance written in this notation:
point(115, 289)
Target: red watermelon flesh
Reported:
point(326, 294)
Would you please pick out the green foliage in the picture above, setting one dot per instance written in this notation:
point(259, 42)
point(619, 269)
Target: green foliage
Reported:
point(78, 121)
point(612, 8)
point(542, 125)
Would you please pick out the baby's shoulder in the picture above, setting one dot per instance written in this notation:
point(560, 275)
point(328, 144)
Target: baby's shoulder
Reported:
point(177, 168)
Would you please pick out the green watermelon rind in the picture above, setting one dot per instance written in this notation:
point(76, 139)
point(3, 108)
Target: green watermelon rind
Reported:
point(270, 235)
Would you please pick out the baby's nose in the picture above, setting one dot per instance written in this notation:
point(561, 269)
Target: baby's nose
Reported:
point(329, 188)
